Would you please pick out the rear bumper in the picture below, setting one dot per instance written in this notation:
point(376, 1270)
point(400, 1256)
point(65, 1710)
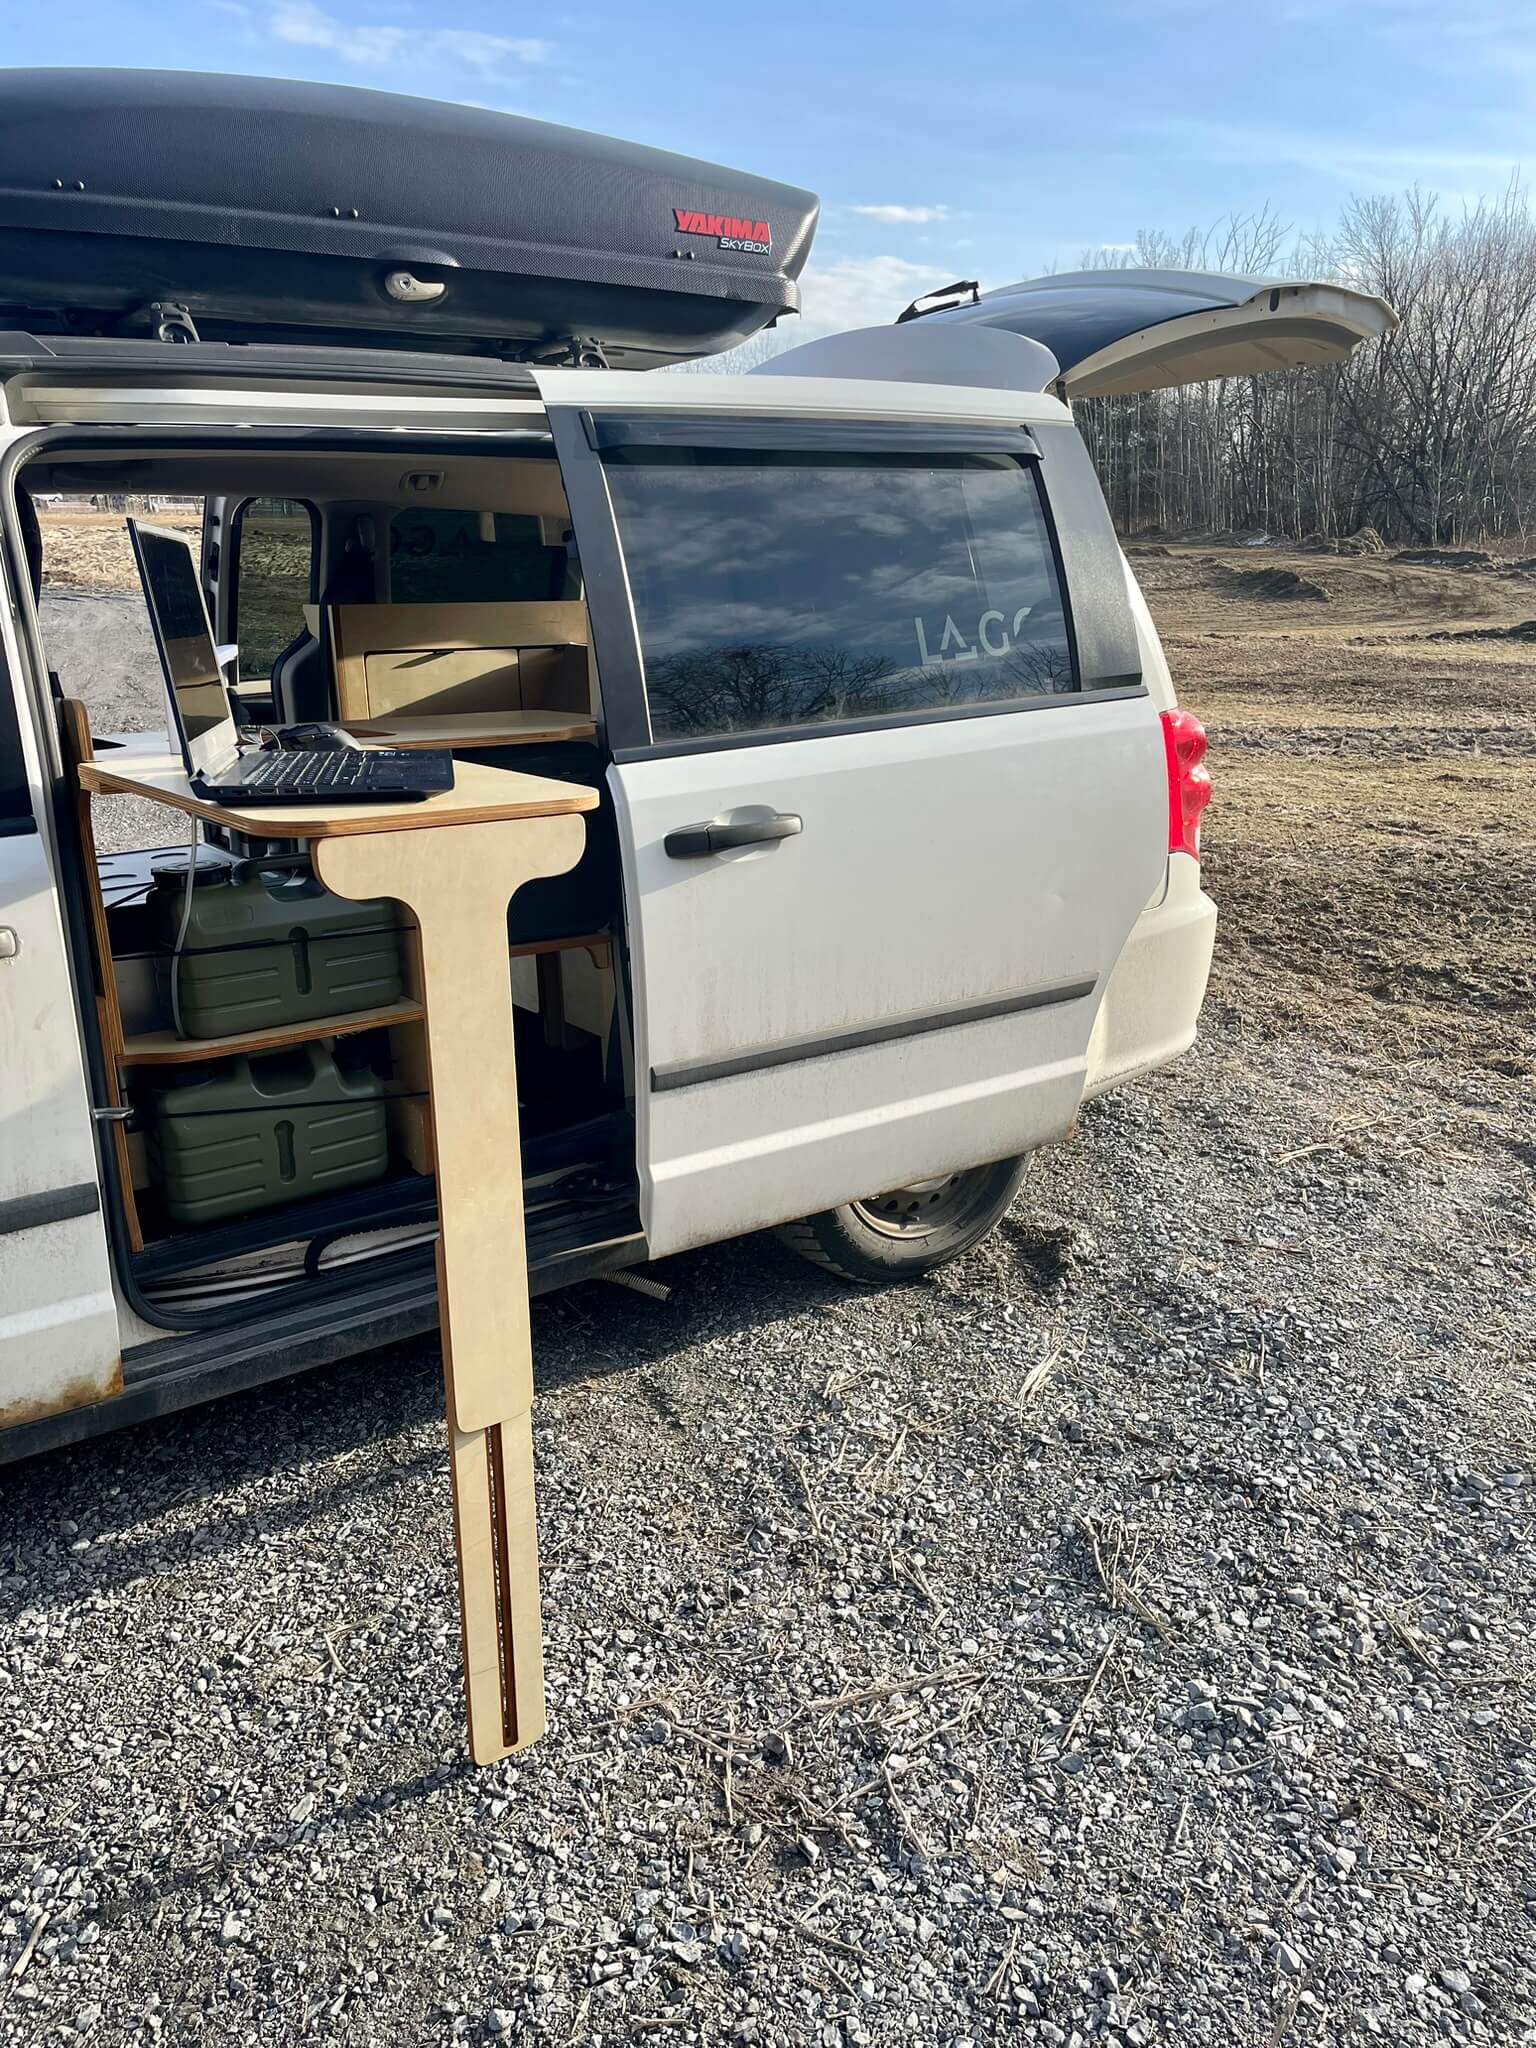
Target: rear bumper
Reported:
point(1152, 1003)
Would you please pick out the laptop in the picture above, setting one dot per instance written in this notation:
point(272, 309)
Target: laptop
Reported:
point(204, 724)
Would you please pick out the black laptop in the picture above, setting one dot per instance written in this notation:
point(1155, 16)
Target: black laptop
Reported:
point(204, 724)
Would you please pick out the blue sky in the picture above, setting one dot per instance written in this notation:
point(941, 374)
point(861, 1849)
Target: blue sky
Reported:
point(988, 140)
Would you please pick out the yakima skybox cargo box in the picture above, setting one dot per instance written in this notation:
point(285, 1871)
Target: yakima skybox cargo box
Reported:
point(255, 209)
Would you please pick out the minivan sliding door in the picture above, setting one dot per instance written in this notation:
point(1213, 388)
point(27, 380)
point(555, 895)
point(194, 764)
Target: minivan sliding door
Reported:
point(887, 808)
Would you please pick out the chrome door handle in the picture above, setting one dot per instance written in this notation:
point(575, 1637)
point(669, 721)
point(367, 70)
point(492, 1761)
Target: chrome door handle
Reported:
point(10, 944)
point(694, 842)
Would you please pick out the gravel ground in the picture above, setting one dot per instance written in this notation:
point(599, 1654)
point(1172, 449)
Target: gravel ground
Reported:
point(1123, 1637)
point(101, 648)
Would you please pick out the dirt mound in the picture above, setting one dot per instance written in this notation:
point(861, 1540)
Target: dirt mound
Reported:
point(1525, 630)
point(1145, 550)
point(1366, 542)
point(1270, 584)
point(1446, 558)
point(1199, 590)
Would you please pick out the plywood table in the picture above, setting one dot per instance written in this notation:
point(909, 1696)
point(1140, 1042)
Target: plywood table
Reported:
point(455, 861)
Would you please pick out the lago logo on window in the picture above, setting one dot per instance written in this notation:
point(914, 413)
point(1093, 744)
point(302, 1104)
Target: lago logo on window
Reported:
point(992, 636)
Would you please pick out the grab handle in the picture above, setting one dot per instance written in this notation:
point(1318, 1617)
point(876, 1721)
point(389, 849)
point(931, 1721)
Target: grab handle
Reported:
point(695, 842)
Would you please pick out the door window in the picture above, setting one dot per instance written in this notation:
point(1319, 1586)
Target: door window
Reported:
point(275, 569)
point(775, 591)
point(441, 557)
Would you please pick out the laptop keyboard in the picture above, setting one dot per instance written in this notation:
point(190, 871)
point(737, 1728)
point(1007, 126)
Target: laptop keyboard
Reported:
point(320, 773)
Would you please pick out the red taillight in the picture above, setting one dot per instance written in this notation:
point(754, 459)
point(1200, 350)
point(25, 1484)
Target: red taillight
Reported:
point(1189, 780)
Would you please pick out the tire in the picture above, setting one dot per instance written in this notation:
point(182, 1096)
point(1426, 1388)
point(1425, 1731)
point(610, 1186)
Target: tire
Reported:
point(909, 1231)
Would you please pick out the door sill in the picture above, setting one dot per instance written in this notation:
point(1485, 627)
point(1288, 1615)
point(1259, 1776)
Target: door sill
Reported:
point(177, 1372)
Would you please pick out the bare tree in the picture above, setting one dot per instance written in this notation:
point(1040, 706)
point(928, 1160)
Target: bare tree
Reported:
point(1428, 435)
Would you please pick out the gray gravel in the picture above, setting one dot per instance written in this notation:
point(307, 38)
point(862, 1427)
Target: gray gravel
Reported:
point(103, 651)
point(1122, 1638)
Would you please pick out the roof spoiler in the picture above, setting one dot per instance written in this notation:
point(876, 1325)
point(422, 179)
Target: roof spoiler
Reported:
point(915, 354)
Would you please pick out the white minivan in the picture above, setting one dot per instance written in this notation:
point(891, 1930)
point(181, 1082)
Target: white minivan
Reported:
point(897, 858)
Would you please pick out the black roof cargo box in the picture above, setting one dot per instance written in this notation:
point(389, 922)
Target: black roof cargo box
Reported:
point(255, 209)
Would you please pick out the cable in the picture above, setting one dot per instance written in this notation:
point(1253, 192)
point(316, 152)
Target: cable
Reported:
point(181, 936)
point(345, 937)
point(275, 1105)
point(263, 1280)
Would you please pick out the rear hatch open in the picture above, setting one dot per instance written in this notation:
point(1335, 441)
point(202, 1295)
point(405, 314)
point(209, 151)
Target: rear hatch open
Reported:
point(1100, 332)
point(1145, 330)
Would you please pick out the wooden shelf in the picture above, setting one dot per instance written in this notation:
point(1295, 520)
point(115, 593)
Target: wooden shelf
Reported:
point(588, 942)
point(164, 1048)
point(474, 729)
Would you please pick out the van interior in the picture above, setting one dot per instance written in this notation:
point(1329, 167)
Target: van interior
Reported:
point(258, 1045)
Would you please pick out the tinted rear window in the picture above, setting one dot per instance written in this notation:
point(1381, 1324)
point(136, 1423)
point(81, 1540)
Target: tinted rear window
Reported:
point(827, 589)
point(440, 557)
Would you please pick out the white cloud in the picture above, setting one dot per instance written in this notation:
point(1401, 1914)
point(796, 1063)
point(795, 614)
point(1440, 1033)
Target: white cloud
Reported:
point(904, 216)
point(859, 291)
point(301, 21)
point(488, 53)
point(1340, 156)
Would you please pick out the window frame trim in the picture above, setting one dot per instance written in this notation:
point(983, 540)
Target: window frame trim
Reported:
point(807, 435)
point(623, 707)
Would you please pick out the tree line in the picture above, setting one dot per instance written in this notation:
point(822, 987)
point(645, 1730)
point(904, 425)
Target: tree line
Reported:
point(1428, 435)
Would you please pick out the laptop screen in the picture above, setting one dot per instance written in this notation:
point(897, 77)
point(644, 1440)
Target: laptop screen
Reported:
point(194, 681)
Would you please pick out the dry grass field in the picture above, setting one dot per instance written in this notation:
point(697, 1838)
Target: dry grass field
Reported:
point(90, 550)
point(1373, 839)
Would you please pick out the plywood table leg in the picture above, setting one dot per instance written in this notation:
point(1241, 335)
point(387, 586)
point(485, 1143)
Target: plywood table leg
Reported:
point(458, 881)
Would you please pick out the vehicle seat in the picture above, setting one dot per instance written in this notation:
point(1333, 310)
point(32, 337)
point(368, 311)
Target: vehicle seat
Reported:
point(303, 688)
point(301, 684)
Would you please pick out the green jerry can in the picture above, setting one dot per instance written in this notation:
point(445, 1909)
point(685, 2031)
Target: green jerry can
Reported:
point(264, 947)
point(248, 1133)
